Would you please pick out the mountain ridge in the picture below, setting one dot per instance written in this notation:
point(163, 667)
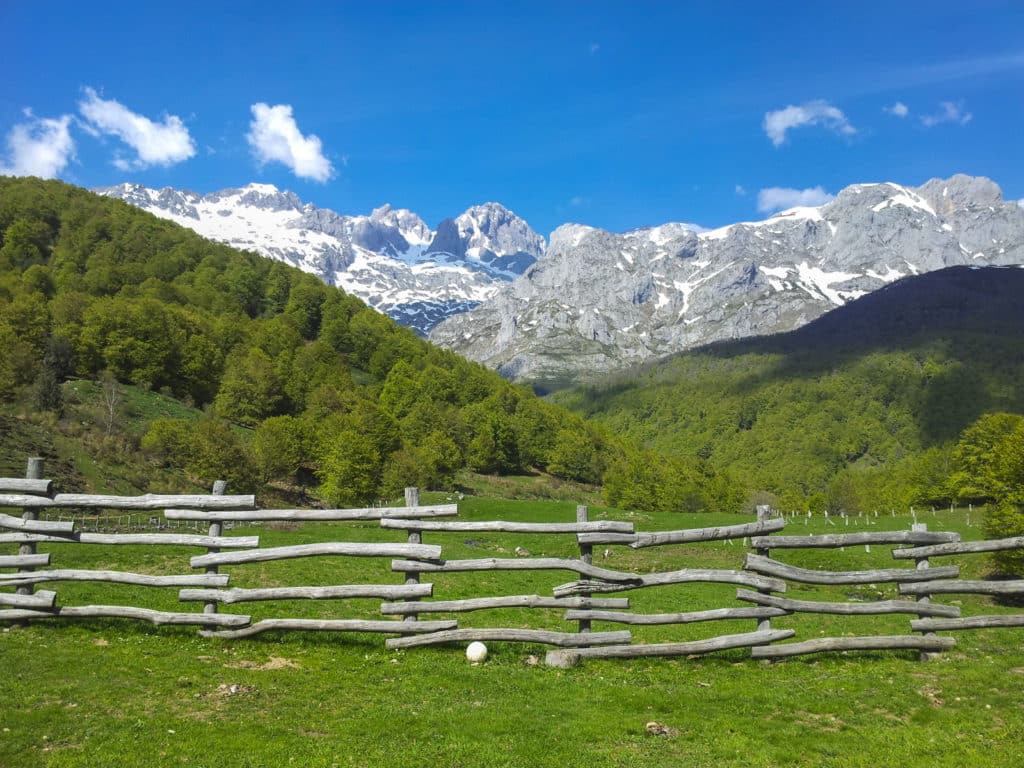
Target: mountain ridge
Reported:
point(391, 258)
point(599, 302)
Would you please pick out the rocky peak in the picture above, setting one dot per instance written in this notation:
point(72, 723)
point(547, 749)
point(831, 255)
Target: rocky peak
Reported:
point(491, 236)
point(266, 197)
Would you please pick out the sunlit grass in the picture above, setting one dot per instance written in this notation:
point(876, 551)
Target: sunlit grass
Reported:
point(104, 693)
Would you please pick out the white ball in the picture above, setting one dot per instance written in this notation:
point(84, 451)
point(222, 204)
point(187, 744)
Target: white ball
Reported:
point(476, 652)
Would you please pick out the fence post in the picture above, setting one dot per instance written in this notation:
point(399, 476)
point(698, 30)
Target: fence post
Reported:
point(922, 564)
point(220, 487)
point(33, 471)
point(763, 513)
point(586, 555)
point(412, 499)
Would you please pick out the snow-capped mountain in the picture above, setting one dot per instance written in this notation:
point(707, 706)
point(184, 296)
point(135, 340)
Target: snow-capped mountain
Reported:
point(391, 259)
point(597, 301)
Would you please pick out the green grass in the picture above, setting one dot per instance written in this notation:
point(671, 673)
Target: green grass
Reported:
point(104, 693)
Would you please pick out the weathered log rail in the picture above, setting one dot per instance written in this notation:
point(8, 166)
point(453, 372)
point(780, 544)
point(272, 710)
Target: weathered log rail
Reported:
point(921, 583)
point(760, 581)
point(33, 494)
point(691, 648)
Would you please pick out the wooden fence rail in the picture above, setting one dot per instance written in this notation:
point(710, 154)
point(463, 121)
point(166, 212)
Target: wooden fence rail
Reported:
point(761, 580)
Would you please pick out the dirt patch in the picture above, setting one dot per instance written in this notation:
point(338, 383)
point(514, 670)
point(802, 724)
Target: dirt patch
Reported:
point(823, 722)
point(932, 694)
point(274, 662)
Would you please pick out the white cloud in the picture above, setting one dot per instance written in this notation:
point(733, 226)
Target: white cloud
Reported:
point(579, 201)
point(164, 143)
point(1021, 202)
point(741, 191)
point(779, 198)
point(594, 48)
point(899, 109)
point(950, 113)
point(274, 136)
point(812, 113)
point(40, 147)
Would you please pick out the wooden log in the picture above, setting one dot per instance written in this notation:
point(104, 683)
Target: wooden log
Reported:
point(40, 600)
point(502, 526)
point(959, 548)
point(148, 501)
point(377, 591)
point(569, 657)
point(515, 564)
point(684, 576)
point(716, 533)
point(963, 587)
point(587, 556)
point(605, 538)
point(877, 643)
point(129, 612)
point(511, 601)
point(24, 561)
point(969, 622)
point(545, 637)
point(650, 619)
point(412, 499)
point(220, 487)
point(352, 549)
point(923, 564)
point(769, 567)
point(113, 577)
point(332, 625)
point(30, 486)
point(35, 526)
point(874, 608)
point(763, 514)
point(314, 515)
point(33, 471)
point(829, 540)
point(158, 539)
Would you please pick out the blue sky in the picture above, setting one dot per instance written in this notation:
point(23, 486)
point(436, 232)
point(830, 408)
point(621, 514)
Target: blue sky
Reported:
point(613, 114)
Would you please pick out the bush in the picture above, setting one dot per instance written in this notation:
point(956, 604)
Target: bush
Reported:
point(1005, 520)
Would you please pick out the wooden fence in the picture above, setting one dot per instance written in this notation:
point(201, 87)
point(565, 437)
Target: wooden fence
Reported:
point(761, 582)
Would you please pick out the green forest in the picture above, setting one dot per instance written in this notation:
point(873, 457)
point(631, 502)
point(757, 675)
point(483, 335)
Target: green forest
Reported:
point(282, 380)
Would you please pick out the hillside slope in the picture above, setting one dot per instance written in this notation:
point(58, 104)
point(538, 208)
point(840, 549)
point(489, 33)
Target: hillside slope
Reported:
point(865, 391)
point(109, 316)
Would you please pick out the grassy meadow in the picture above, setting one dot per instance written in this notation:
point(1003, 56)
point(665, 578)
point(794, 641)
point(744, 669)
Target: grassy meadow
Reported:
point(112, 692)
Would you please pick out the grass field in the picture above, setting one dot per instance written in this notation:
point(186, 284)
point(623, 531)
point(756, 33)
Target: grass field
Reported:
point(119, 693)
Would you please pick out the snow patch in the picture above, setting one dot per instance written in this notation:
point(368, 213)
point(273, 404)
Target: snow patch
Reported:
point(891, 275)
point(778, 272)
point(907, 199)
point(818, 282)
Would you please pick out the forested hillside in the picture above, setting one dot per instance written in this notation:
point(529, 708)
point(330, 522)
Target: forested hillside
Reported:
point(298, 382)
point(869, 407)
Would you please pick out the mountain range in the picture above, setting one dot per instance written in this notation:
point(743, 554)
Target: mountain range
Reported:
point(390, 259)
point(588, 302)
point(599, 302)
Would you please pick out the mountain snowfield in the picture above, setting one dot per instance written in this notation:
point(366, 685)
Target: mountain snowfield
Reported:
point(391, 259)
point(588, 301)
point(598, 302)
